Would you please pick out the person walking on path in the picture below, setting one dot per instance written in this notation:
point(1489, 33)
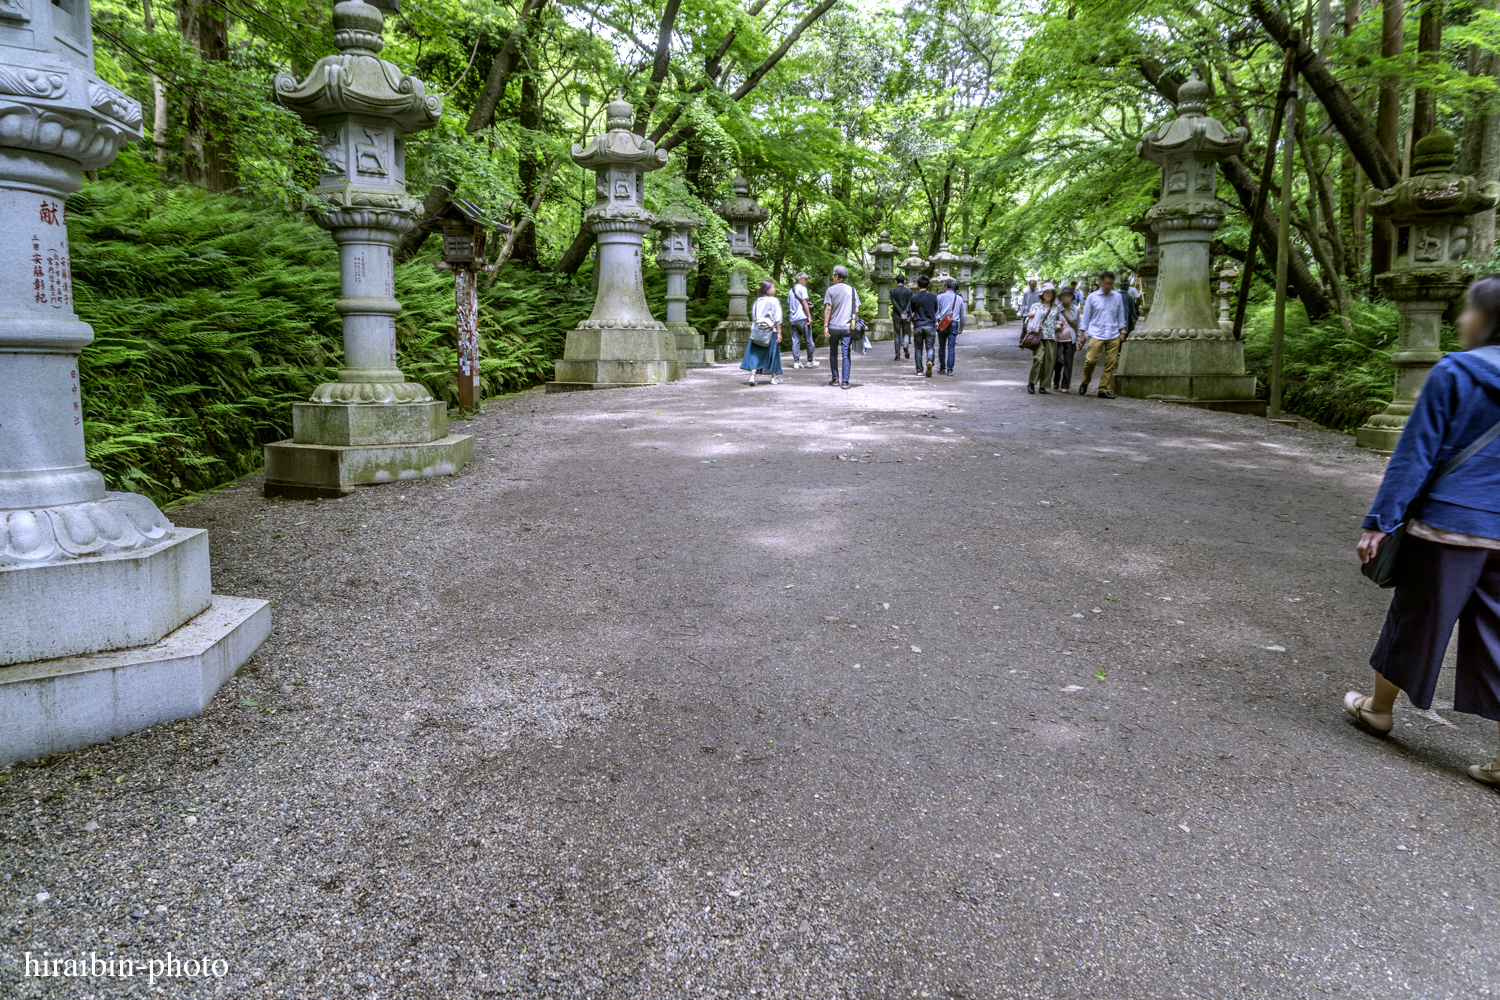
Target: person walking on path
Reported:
point(924, 316)
point(840, 306)
point(765, 317)
point(950, 307)
point(901, 315)
point(1104, 321)
point(1069, 327)
point(1029, 297)
point(799, 314)
point(1043, 319)
point(1443, 483)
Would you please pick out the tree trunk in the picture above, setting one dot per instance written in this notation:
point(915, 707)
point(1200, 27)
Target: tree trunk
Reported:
point(207, 158)
point(1429, 44)
point(1317, 194)
point(1388, 128)
point(528, 167)
point(1479, 151)
point(577, 252)
point(159, 101)
point(501, 68)
point(659, 66)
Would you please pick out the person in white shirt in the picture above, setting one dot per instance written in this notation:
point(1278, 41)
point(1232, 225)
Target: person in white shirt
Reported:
point(765, 314)
point(840, 306)
point(1105, 317)
point(799, 314)
point(949, 304)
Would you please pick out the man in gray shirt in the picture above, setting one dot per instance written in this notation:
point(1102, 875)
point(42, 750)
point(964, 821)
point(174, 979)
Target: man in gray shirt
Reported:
point(840, 306)
point(1104, 319)
point(1029, 297)
point(949, 304)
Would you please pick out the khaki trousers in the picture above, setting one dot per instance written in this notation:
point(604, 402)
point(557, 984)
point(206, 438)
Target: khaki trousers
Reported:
point(1111, 351)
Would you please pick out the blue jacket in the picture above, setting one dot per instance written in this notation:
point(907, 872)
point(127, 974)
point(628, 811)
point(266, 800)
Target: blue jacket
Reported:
point(1460, 401)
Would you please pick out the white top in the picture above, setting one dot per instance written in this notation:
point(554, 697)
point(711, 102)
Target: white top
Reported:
point(766, 310)
point(1104, 315)
point(798, 306)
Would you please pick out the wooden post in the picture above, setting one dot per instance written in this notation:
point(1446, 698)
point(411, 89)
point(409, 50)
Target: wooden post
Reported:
point(466, 290)
point(1283, 241)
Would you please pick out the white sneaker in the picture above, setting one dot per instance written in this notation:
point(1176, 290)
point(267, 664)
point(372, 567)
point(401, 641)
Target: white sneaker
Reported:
point(796, 364)
point(812, 364)
point(776, 380)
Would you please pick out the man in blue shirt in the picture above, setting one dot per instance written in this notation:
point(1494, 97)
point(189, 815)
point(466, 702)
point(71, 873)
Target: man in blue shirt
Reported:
point(1104, 320)
point(949, 304)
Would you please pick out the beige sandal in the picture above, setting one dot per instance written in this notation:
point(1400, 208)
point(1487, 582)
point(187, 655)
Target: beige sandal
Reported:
point(1376, 722)
point(1486, 774)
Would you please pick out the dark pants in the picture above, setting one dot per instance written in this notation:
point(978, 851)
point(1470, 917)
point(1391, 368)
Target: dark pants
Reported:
point(801, 331)
point(903, 334)
point(1436, 586)
point(838, 346)
point(1062, 372)
point(923, 342)
point(947, 347)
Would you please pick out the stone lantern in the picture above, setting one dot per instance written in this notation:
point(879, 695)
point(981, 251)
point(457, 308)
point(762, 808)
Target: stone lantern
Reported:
point(83, 569)
point(963, 270)
point(372, 425)
point(620, 344)
point(1228, 275)
point(914, 266)
point(1179, 353)
point(677, 258)
point(883, 274)
point(742, 213)
point(1429, 211)
point(942, 266)
point(978, 297)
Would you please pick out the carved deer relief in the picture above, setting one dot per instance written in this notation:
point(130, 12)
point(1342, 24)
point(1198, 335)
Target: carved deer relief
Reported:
point(1428, 244)
point(1177, 178)
point(370, 155)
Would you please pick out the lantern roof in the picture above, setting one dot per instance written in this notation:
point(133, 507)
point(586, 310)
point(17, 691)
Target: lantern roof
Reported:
point(742, 207)
point(617, 144)
point(1192, 131)
point(462, 210)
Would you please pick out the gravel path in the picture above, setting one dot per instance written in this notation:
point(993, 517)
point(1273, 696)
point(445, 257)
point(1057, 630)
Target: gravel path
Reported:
point(930, 688)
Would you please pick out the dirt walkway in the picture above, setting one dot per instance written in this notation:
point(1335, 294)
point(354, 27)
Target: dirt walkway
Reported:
point(926, 688)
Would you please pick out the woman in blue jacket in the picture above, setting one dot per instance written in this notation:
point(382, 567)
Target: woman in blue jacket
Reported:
point(1449, 569)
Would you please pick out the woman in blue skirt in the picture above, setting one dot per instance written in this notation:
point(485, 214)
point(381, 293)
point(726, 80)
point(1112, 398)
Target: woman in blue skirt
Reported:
point(1448, 569)
point(765, 314)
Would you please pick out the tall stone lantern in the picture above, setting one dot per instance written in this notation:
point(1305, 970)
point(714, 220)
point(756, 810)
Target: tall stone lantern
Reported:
point(677, 258)
point(371, 425)
point(1179, 353)
point(83, 569)
point(743, 214)
point(1228, 275)
point(621, 343)
point(1429, 211)
point(978, 300)
point(914, 266)
point(883, 275)
point(942, 266)
point(963, 270)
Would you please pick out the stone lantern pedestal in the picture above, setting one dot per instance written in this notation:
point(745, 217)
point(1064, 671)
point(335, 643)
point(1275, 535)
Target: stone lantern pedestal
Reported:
point(1179, 353)
point(742, 213)
point(677, 259)
point(372, 425)
point(620, 344)
point(914, 266)
point(109, 622)
point(883, 275)
point(1007, 294)
point(1429, 210)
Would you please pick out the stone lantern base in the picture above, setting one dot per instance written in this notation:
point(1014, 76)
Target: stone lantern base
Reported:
point(1202, 368)
point(690, 348)
point(730, 339)
point(982, 317)
point(882, 329)
point(109, 609)
point(336, 446)
point(616, 357)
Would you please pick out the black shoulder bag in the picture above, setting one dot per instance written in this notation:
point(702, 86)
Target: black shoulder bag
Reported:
point(1382, 567)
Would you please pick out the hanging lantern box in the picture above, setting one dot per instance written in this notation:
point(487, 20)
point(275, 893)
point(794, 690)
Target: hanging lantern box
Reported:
point(464, 230)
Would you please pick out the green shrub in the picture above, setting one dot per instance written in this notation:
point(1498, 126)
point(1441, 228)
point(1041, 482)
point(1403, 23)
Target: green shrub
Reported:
point(213, 314)
point(1329, 376)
